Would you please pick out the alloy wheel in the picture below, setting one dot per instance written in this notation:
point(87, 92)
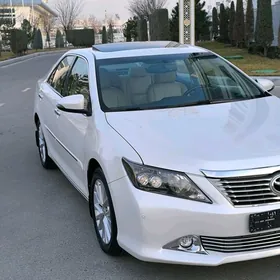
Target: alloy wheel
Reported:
point(42, 145)
point(102, 212)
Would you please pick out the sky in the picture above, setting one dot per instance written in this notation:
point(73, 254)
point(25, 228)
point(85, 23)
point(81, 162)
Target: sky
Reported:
point(98, 7)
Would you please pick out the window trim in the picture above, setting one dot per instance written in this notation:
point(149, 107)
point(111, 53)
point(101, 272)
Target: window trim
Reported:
point(77, 56)
point(55, 68)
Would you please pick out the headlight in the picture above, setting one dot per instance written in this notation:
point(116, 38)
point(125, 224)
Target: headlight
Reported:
point(162, 181)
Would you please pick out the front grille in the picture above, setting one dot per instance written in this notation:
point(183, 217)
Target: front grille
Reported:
point(247, 191)
point(241, 243)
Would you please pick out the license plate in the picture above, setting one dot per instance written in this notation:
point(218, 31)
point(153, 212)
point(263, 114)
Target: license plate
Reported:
point(264, 221)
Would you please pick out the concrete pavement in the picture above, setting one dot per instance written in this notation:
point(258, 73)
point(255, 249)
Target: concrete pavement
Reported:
point(45, 228)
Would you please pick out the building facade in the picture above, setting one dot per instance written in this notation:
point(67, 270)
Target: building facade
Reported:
point(35, 11)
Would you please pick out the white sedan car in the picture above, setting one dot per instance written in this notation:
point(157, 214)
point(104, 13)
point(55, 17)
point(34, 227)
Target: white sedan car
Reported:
point(176, 150)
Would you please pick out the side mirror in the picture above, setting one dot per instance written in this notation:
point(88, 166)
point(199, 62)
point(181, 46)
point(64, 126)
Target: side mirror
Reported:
point(73, 104)
point(266, 84)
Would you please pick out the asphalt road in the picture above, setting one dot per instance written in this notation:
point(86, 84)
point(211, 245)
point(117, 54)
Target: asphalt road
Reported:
point(45, 228)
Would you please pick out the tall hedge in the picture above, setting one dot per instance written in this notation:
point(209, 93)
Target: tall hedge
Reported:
point(38, 40)
point(59, 42)
point(142, 30)
point(81, 37)
point(223, 24)
point(231, 22)
point(279, 36)
point(159, 25)
point(19, 41)
point(264, 30)
point(249, 31)
point(215, 22)
point(104, 35)
point(239, 25)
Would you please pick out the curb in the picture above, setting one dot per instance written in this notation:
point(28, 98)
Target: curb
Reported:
point(29, 56)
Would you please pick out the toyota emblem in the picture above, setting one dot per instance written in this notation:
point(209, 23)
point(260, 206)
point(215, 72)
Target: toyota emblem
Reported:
point(275, 184)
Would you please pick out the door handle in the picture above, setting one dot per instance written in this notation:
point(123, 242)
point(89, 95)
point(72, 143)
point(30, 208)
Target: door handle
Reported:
point(57, 112)
point(40, 95)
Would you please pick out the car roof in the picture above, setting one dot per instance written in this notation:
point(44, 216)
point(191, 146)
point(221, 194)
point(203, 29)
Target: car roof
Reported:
point(130, 49)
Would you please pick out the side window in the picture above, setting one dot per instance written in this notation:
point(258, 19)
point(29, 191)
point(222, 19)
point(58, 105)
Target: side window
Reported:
point(78, 80)
point(57, 78)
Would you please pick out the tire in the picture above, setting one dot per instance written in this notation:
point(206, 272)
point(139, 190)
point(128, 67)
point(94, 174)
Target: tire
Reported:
point(46, 161)
point(101, 207)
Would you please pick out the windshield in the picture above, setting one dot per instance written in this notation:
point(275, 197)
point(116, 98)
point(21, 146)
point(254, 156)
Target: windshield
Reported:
point(170, 81)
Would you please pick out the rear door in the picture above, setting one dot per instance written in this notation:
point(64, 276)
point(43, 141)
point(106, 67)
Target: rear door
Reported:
point(50, 93)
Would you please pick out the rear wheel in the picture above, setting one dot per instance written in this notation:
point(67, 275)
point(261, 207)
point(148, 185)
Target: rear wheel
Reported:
point(46, 161)
point(103, 214)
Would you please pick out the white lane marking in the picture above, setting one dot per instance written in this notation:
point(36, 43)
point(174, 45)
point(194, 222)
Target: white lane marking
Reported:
point(27, 89)
point(2, 104)
point(15, 63)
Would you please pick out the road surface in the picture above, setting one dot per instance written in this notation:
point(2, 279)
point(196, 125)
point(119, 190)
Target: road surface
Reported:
point(45, 228)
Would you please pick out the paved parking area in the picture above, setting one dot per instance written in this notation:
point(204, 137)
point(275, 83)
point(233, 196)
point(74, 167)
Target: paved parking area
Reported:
point(45, 228)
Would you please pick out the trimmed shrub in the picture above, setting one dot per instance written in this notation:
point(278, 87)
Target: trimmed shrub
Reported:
point(59, 42)
point(142, 30)
point(104, 35)
point(38, 40)
point(19, 41)
point(159, 25)
point(81, 37)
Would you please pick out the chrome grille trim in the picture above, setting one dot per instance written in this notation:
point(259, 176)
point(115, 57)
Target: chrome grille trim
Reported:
point(241, 172)
point(245, 189)
point(241, 243)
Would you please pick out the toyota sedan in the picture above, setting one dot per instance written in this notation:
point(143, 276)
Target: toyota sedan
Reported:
point(176, 150)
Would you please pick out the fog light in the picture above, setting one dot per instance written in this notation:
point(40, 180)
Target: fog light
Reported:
point(188, 244)
point(186, 241)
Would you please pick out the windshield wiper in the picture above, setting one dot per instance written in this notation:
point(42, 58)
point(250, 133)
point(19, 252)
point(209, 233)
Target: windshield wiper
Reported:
point(126, 109)
point(189, 104)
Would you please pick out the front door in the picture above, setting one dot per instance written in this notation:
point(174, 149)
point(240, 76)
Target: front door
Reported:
point(73, 127)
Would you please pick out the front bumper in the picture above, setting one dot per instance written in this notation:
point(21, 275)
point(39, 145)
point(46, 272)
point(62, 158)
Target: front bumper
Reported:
point(147, 222)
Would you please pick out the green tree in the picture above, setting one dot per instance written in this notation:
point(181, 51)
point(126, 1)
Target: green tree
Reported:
point(231, 21)
point(130, 29)
point(239, 26)
point(174, 24)
point(223, 24)
point(110, 34)
point(104, 35)
point(249, 31)
point(26, 26)
point(264, 30)
point(202, 23)
point(215, 22)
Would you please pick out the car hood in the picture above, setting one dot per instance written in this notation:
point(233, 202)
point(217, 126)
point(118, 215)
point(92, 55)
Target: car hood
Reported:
point(225, 136)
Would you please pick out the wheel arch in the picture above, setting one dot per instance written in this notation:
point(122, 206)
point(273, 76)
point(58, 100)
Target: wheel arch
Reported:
point(92, 166)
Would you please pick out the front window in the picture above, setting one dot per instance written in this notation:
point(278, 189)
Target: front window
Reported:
point(170, 81)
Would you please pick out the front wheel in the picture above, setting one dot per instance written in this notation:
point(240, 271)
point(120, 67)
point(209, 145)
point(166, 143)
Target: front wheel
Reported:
point(103, 214)
point(46, 161)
